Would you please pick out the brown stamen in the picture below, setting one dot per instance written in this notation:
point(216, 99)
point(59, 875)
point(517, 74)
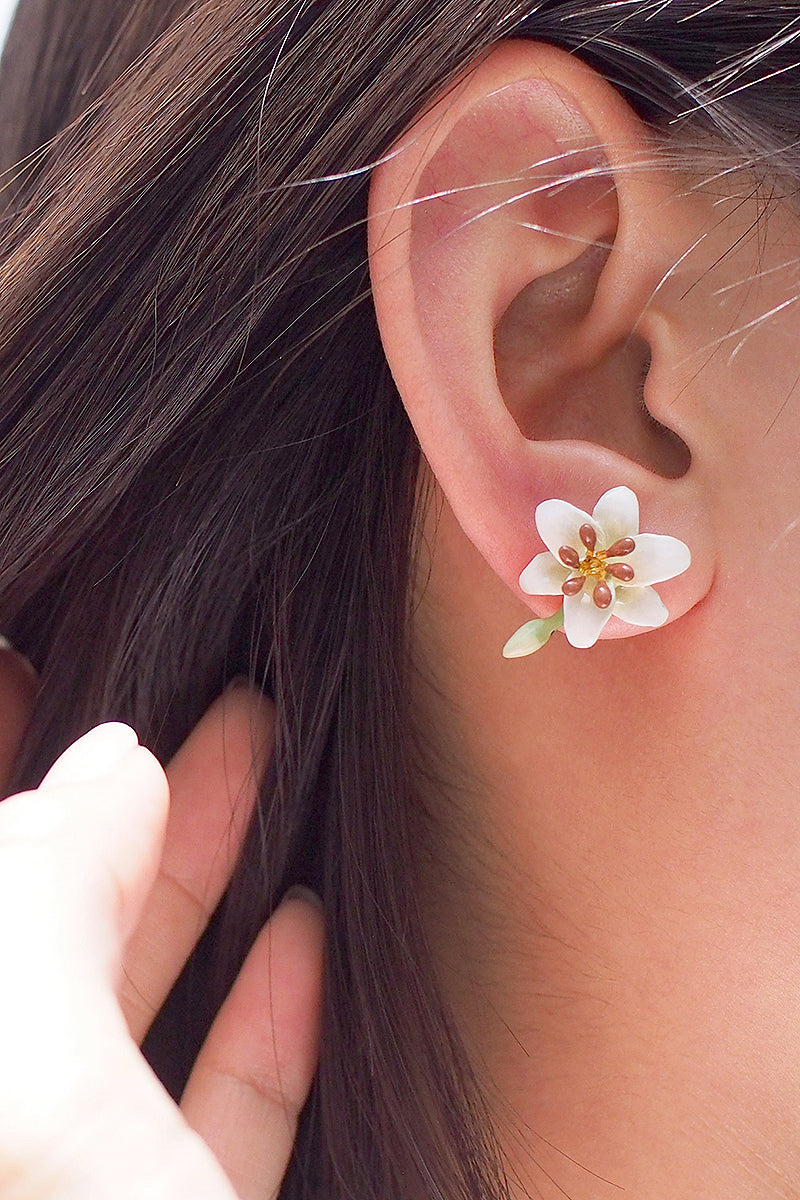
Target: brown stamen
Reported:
point(569, 557)
point(620, 571)
point(573, 586)
point(602, 595)
point(588, 536)
point(623, 546)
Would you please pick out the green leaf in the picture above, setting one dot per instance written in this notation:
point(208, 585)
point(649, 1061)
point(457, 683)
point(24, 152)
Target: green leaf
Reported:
point(533, 635)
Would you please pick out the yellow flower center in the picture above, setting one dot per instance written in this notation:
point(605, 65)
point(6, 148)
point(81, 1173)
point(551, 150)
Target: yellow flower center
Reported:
point(594, 565)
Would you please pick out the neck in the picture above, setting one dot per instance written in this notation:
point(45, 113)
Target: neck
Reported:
point(616, 929)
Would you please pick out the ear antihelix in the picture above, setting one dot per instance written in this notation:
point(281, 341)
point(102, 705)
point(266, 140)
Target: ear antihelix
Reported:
point(518, 190)
point(602, 566)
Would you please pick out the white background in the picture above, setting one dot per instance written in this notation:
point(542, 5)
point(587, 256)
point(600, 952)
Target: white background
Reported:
point(6, 9)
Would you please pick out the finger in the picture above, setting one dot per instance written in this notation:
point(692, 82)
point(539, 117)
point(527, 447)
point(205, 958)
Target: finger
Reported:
point(254, 1072)
point(213, 783)
point(95, 825)
point(77, 858)
point(17, 696)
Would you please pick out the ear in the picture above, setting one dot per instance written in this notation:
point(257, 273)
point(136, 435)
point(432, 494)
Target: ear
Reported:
point(519, 233)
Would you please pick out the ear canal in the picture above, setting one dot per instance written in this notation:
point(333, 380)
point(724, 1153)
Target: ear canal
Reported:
point(552, 398)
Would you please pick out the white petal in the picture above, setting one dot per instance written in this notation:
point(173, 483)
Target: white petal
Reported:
point(558, 524)
point(543, 576)
point(617, 513)
point(656, 558)
point(640, 606)
point(583, 620)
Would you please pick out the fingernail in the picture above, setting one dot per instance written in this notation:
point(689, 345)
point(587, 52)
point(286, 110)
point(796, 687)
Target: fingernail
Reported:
point(299, 892)
point(92, 756)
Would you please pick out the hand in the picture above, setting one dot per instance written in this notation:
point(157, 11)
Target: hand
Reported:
point(105, 886)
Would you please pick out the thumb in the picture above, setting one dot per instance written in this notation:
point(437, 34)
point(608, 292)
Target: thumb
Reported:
point(79, 854)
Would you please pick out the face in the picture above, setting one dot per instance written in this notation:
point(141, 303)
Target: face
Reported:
point(612, 895)
point(630, 813)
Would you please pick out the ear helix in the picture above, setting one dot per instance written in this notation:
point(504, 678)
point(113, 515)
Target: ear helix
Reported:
point(602, 566)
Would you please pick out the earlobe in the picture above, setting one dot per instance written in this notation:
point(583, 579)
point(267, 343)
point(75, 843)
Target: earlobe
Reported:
point(511, 269)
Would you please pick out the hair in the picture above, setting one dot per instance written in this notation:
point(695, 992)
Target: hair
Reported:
point(206, 470)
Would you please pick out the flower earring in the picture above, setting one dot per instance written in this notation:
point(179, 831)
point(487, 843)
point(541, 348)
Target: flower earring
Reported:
point(601, 565)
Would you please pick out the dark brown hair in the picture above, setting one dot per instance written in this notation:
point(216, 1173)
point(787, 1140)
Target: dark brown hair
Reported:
point(205, 469)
